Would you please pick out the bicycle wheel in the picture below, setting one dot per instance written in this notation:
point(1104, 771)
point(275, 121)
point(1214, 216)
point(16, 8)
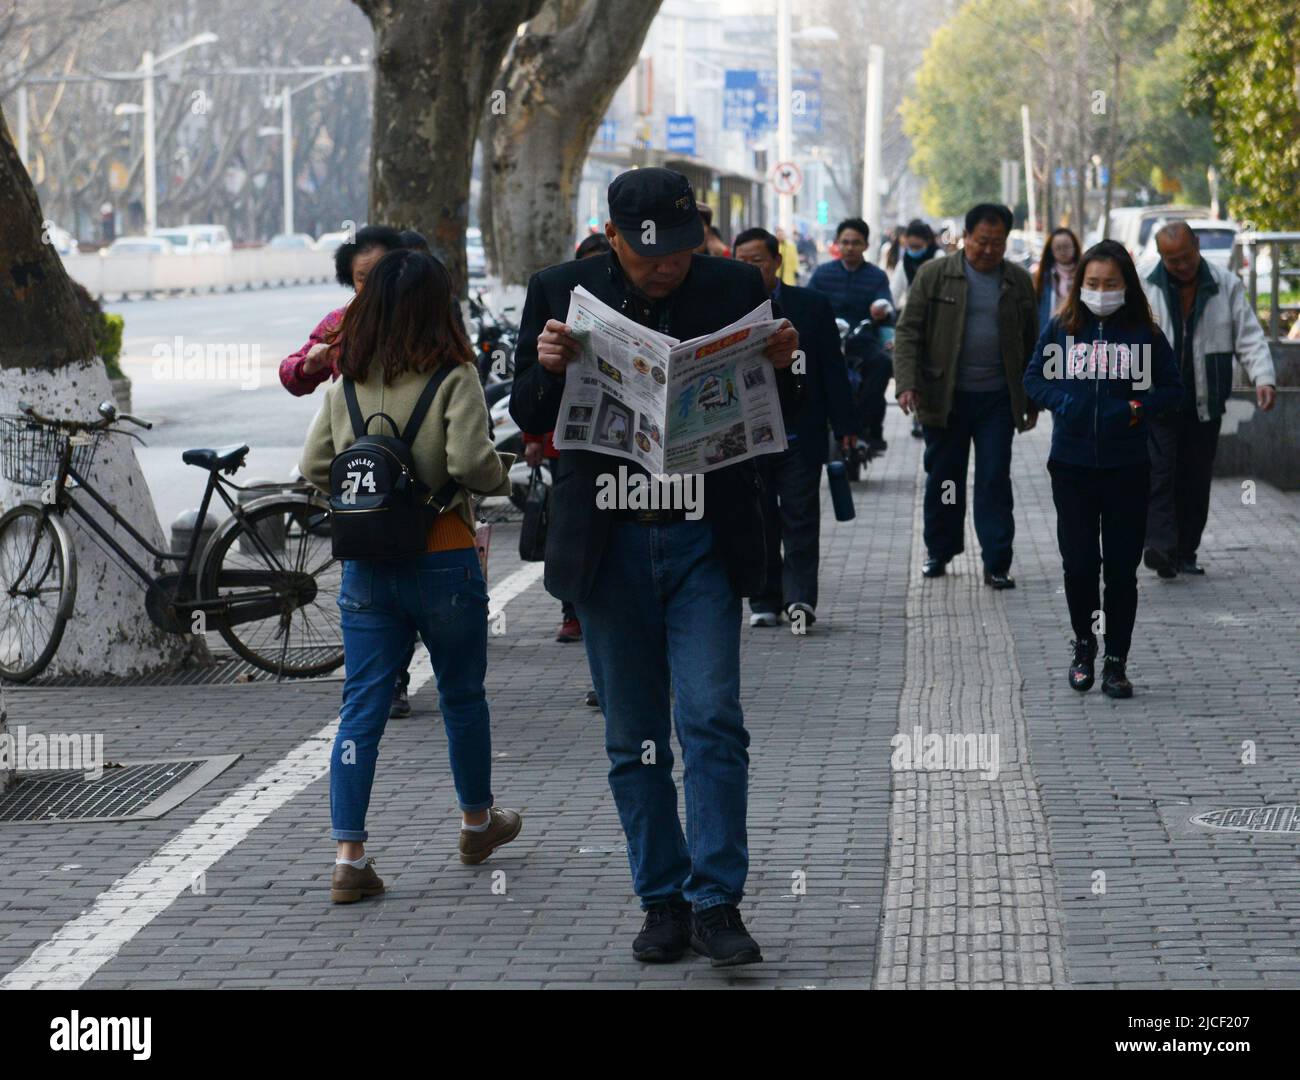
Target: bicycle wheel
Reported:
point(279, 582)
point(38, 581)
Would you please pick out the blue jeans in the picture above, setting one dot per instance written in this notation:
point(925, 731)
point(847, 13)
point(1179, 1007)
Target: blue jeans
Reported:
point(441, 596)
point(662, 618)
point(983, 419)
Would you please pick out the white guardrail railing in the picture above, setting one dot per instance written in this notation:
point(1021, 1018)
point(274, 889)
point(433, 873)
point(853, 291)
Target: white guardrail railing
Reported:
point(119, 276)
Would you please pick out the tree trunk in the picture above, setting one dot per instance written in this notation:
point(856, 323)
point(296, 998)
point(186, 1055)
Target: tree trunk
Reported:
point(435, 61)
point(546, 105)
point(48, 359)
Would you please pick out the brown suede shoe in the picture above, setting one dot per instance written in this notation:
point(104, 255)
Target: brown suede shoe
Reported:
point(477, 846)
point(348, 885)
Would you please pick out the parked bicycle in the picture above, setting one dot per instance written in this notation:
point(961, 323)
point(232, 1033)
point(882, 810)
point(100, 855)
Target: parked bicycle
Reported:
point(266, 581)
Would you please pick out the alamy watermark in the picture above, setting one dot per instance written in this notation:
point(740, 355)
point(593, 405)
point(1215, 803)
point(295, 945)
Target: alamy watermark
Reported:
point(1098, 360)
point(177, 360)
point(60, 751)
point(947, 752)
point(629, 490)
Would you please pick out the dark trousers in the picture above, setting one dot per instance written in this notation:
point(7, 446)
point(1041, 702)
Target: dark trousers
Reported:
point(792, 529)
point(1100, 523)
point(1182, 460)
point(877, 370)
point(985, 420)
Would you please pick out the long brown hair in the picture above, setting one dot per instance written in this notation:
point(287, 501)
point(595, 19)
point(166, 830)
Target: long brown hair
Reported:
point(1136, 310)
point(1047, 260)
point(405, 319)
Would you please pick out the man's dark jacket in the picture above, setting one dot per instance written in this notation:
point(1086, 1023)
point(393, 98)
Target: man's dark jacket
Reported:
point(827, 395)
point(716, 292)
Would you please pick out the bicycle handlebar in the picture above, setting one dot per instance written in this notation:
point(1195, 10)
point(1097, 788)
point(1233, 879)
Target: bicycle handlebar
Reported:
point(74, 426)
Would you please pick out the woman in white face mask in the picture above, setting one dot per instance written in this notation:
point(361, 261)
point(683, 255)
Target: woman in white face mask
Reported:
point(1102, 367)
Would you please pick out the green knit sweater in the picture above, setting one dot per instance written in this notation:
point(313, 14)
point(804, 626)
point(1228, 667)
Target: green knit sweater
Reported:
point(451, 443)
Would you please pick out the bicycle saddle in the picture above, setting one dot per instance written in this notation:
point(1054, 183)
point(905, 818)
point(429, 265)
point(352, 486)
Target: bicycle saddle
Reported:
point(226, 458)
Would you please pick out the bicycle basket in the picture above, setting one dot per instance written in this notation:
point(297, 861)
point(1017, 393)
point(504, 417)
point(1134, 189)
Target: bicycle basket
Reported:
point(29, 452)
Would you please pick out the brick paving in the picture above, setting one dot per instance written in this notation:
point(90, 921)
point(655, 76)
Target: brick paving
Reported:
point(1004, 896)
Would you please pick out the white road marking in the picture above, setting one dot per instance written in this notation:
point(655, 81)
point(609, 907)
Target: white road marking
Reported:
point(81, 947)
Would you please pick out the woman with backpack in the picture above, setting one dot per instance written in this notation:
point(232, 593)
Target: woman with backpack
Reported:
point(301, 372)
point(1102, 367)
point(402, 433)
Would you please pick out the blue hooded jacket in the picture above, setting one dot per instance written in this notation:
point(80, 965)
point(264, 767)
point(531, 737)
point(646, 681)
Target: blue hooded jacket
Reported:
point(1087, 381)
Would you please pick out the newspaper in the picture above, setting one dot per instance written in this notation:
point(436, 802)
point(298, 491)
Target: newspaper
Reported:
point(671, 406)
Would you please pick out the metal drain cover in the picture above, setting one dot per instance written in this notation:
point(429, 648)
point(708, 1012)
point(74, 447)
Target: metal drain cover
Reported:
point(1278, 819)
point(133, 791)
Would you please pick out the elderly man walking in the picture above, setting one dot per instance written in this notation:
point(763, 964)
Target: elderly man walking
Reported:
point(659, 593)
point(1205, 313)
point(970, 324)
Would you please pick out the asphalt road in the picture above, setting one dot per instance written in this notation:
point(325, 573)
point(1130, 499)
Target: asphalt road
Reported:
point(233, 395)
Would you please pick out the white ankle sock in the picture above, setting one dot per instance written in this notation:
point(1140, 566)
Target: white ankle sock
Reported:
point(360, 863)
point(477, 828)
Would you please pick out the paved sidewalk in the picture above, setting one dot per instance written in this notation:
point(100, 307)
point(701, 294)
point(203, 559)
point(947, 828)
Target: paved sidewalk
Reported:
point(861, 876)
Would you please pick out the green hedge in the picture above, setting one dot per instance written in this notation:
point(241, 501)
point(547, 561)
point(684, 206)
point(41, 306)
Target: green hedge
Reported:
point(106, 329)
point(108, 339)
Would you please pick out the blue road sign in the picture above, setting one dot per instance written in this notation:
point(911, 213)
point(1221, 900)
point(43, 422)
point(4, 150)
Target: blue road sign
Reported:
point(749, 100)
point(681, 135)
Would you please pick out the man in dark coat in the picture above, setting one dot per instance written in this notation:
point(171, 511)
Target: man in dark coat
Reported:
point(792, 479)
point(659, 594)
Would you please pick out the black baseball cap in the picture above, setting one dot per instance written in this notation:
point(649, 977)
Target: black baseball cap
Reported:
point(640, 196)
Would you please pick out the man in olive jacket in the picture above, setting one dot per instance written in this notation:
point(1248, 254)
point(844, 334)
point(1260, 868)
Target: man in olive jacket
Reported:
point(970, 324)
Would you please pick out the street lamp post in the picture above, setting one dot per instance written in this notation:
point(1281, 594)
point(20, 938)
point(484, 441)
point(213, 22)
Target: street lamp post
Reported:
point(22, 125)
point(150, 160)
point(147, 65)
point(784, 97)
point(871, 147)
point(285, 101)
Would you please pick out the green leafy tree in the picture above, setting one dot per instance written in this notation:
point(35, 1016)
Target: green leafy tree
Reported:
point(1103, 80)
point(1246, 76)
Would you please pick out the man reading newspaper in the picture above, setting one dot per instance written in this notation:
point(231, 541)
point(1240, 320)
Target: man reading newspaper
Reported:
point(671, 406)
point(658, 592)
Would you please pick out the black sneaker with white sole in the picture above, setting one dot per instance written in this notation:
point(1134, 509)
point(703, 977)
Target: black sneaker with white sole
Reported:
point(719, 933)
point(665, 934)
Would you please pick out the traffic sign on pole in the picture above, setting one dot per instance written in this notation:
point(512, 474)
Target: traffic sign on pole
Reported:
point(786, 178)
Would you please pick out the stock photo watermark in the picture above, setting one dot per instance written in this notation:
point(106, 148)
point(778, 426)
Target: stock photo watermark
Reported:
point(59, 751)
point(181, 361)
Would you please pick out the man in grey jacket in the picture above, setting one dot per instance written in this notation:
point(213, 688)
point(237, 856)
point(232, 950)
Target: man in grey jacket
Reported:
point(1206, 315)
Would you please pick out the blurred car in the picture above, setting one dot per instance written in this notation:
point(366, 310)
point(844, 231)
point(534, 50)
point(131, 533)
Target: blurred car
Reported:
point(292, 242)
point(195, 239)
point(138, 245)
point(1024, 247)
point(475, 256)
point(1132, 226)
point(331, 241)
point(1216, 237)
point(62, 240)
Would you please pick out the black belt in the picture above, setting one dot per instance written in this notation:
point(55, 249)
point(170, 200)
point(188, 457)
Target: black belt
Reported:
point(649, 517)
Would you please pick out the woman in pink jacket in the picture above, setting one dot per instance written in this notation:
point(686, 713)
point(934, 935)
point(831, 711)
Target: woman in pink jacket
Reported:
point(304, 370)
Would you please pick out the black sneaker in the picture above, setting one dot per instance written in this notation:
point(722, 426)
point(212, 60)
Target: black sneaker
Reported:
point(1189, 565)
point(877, 446)
point(401, 706)
point(934, 568)
point(665, 934)
point(719, 933)
point(592, 700)
point(1082, 673)
point(999, 581)
point(1114, 681)
point(1161, 563)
